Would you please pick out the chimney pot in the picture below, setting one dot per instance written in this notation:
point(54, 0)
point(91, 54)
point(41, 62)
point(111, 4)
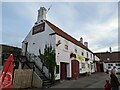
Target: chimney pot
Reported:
point(81, 40)
point(86, 44)
point(110, 49)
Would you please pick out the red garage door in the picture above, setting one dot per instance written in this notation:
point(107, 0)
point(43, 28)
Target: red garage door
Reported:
point(75, 68)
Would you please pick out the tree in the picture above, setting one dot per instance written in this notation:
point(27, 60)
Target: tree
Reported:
point(48, 58)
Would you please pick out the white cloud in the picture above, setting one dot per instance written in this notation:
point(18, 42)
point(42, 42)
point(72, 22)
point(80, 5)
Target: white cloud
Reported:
point(99, 32)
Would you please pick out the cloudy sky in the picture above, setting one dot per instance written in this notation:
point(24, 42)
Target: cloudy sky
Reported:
point(96, 22)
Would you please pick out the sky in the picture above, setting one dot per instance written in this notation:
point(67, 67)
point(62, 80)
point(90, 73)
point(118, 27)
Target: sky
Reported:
point(96, 22)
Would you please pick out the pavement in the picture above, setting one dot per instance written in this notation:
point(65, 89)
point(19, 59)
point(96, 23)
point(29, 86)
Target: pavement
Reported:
point(96, 80)
point(1, 67)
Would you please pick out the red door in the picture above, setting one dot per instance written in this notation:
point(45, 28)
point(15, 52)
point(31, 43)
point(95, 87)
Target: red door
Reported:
point(98, 66)
point(63, 69)
point(75, 68)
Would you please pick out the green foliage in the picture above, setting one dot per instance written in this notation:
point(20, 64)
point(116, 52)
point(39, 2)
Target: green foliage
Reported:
point(48, 58)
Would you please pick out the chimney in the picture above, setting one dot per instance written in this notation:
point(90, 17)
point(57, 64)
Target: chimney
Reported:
point(41, 14)
point(110, 49)
point(81, 40)
point(86, 44)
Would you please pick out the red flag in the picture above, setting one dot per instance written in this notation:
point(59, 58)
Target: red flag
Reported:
point(6, 75)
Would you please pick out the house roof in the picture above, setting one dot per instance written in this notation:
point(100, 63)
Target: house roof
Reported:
point(109, 57)
point(63, 34)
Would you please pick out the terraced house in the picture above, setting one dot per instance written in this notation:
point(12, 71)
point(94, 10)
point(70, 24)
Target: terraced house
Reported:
point(73, 57)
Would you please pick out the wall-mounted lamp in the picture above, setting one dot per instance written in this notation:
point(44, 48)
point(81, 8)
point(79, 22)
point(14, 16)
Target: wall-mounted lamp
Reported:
point(58, 43)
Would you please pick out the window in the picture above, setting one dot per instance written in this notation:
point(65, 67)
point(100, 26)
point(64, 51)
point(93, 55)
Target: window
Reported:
point(57, 69)
point(87, 54)
point(75, 50)
point(83, 65)
point(117, 64)
point(88, 65)
point(110, 64)
point(108, 58)
point(66, 47)
point(91, 55)
point(82, 53)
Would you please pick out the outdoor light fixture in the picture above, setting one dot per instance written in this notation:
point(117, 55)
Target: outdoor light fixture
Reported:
point(58, 43)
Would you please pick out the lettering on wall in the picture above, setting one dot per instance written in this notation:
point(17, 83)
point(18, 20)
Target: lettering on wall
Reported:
point(38, 28)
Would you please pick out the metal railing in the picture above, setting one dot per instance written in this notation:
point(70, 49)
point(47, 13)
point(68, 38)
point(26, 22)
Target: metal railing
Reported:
point(38, 63)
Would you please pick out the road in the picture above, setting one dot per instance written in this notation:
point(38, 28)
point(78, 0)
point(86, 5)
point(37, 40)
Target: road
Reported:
point(96, 80)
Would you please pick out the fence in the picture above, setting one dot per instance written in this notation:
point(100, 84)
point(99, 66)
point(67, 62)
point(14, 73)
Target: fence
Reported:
point(25, 78)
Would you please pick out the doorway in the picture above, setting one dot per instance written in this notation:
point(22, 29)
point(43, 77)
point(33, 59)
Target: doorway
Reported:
point(75, 68)
point(101, 67)
point(26, 47)
point(63, 71)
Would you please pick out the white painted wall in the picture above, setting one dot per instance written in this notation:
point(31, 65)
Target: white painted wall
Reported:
point(110, 66)
point(63, 55)
point(96, 58)
point(38, 41)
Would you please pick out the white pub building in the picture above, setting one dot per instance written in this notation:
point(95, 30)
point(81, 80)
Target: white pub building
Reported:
point(73, 57)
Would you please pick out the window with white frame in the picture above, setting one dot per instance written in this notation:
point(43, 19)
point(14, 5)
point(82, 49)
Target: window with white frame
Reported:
point(82, 53)
point(87, 54)
point(83, 65)
point(117, 64)
point(57, 69)
point(110, 64)
point(91, 55)
point(66, 47)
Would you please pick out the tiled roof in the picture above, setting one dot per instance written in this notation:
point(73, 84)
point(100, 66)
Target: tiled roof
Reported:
point(109, 57)
point(66, 36)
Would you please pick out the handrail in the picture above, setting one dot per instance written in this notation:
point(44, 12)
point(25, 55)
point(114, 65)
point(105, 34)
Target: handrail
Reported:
point(38, 63)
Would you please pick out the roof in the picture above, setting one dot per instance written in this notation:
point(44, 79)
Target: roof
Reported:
point(5, 45)
point(6, 50)
point(63, 34)
point(109, 57)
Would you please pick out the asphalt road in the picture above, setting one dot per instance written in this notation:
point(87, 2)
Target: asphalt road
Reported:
point(96, 80)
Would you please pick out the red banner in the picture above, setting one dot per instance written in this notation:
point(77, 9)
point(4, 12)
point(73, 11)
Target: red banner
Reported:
point(6, 75)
